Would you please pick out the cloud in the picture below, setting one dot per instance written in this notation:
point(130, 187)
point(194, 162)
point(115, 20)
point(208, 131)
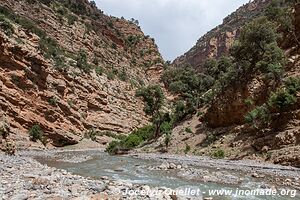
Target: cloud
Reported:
point(176, 25)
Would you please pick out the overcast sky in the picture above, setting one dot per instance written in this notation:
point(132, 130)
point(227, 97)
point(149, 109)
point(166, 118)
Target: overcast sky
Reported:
point(176, 25)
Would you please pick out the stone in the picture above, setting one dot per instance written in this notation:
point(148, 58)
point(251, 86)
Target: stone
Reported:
point(172, 166)
point(19, 197)
point(255, 175)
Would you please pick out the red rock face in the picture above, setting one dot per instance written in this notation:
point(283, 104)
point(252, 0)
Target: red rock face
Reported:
point(217, 42)
point(68, 103)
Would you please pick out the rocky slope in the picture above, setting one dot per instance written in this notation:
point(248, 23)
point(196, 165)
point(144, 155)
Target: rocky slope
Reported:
point(70, 69)
point(217, 42)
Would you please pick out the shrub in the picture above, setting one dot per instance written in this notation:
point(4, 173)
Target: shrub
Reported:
point(179, 111)
point(91, 134)
point(258, 116)
point(187, 148)
point(36, 133)
point(112, 148)
point(110, 75)
point(15, 79)
point(293, 85)
point(181, 80)
point(71, 19)
point(82, 62)
point(210, 138)
point(59, 63)
point(131, 141)
point(218, 154)
point(285, 97)
point(188, 130)
point(282, 100)
point(4, 129)
point(123, 75)
point(6, 26)
point(167, 140)
point(114, 46)
point(249, 102)
point(278, 11)
point(99, 70)
point(53, 101)
point(279, 101)
point(166, 127)
point(145, 132)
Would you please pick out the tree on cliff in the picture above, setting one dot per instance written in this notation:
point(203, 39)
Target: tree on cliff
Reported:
point(257, 50)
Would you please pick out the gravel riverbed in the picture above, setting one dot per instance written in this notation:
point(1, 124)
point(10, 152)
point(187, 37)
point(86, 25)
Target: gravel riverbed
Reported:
point(276, 175)
point(22, 178)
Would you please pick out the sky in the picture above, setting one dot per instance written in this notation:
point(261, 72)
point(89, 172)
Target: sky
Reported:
point(176, 25)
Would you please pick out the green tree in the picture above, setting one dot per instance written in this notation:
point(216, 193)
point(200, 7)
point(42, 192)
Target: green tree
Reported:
point(153, 97)
point(257, 49)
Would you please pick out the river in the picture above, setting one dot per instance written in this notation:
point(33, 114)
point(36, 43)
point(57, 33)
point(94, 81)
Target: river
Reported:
point(95, 165)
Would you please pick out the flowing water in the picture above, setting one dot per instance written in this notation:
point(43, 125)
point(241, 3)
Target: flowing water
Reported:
point(97, 164)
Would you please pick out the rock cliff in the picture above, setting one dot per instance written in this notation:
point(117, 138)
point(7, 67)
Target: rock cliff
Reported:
point(69, 68)
point(217, 42)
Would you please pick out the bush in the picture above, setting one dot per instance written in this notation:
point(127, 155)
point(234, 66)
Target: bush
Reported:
point(131, 141)
point(179, 111)
point(53, 101)
point(16, 80)
point(218, 154)
point(6, 26)
point(258, 116)
point(210, 138)
point(71, 19)
point(167, 140)
point(4, 129)
point(99, 70)
point(90, 134)
point(112, 148)
point(36, 133)
point(188, 130)
point(166, 127)
point(50, 47)
point(187, 148)
point(82, 62)
point(279, 101)
point(110, 75)
point(114, 46)
point(282, 100)
point(123, 75)
point(292, 85)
